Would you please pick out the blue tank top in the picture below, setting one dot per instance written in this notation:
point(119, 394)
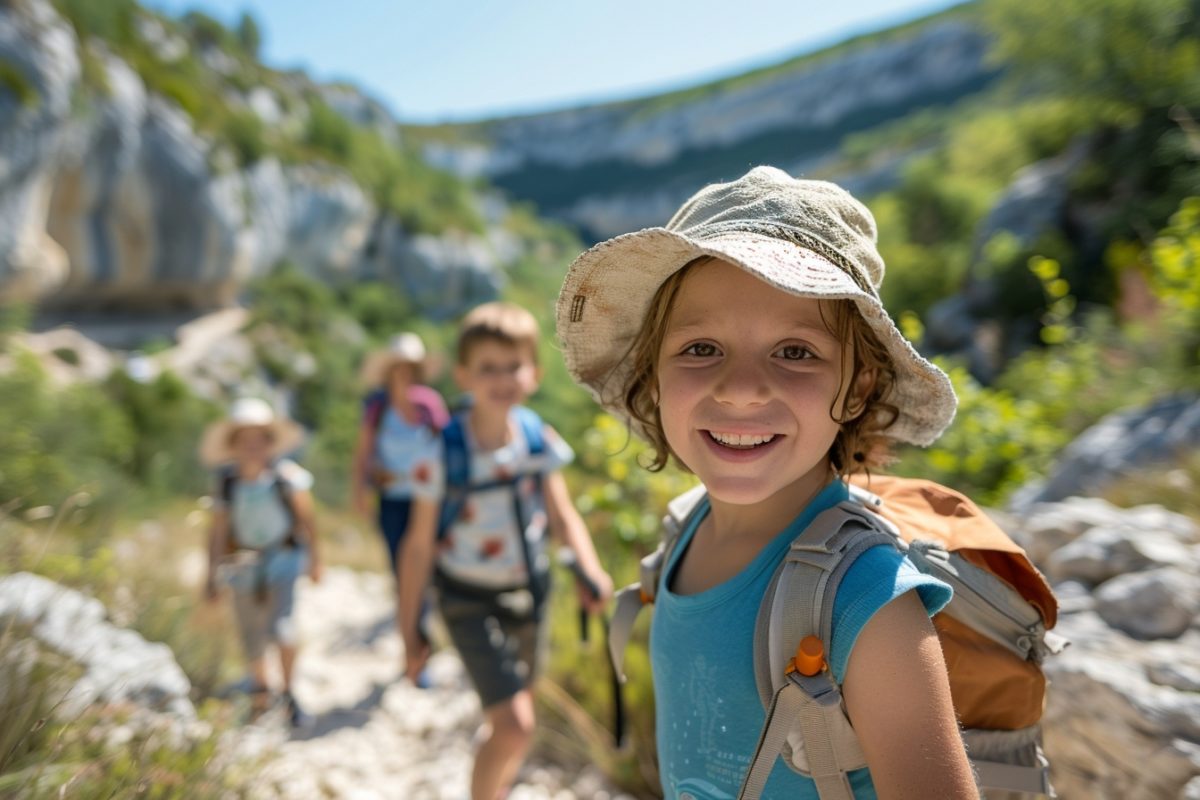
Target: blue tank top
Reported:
point(709, 714)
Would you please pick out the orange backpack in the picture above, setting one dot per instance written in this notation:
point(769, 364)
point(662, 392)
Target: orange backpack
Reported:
point(994, 632)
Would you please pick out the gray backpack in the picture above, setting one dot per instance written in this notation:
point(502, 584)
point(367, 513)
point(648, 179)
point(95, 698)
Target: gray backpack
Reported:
point(995, 627)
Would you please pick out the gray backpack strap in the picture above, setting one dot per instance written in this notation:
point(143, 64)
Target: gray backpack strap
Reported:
point(798, 603)
point(631, 599)
point(814, 704)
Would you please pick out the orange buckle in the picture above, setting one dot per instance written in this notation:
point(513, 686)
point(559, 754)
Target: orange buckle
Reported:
point(646, 597)
point(809, 659)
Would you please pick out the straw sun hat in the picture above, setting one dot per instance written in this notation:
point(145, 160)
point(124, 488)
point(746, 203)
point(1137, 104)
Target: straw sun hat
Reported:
point(404, 348)
point(807, 238)
point(248, 412)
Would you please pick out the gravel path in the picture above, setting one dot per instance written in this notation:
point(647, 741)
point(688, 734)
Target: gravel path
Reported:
point(376, 736)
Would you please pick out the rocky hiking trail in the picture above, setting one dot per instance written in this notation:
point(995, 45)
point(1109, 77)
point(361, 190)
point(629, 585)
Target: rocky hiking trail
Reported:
point(375, 736)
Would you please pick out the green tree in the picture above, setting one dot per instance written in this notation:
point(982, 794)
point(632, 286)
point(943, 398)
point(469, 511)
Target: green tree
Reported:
point(1127, 55)
point(249, 34)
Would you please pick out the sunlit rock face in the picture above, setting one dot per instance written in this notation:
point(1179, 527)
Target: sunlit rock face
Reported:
point(113, 201)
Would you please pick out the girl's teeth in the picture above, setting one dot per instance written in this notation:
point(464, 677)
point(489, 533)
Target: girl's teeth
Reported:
point(740, 440)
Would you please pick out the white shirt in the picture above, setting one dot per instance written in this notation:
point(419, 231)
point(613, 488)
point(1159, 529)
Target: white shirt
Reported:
point(482, 546)
point(258, 516)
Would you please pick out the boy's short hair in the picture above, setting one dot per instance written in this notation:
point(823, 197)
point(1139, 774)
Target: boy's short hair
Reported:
point(502, 322)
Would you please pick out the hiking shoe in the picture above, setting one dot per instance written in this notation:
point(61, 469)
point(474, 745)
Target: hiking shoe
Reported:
point(298, 716)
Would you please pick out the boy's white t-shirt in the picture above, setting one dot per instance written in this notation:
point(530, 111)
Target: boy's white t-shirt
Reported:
point(257, 514)
point(482, 547)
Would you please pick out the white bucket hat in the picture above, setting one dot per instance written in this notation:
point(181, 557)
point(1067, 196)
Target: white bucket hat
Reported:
point(807, 238)
point(404, 348)
point(248, 412)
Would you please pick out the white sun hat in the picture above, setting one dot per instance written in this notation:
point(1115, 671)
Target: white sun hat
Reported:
point(807, 238)
point(248, 412)
point(403, 348)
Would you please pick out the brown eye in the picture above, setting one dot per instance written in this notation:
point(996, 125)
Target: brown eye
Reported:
point(701, 350)
point(796, 352)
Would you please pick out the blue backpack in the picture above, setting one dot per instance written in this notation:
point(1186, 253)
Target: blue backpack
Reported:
point(459, 488)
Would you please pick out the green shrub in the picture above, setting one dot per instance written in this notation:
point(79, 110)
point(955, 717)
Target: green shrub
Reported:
point(245, 133)
point(110, 20)
point(57, 442)
point(166, 420)
point(328, 132)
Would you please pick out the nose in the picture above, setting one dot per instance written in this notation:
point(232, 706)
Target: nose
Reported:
point(742, 382)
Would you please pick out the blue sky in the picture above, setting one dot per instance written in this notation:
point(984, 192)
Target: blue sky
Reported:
point(454, 60)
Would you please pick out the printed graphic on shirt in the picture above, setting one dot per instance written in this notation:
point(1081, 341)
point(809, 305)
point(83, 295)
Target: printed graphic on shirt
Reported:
point(406, 455)
point(484, 546)
point(697, 789)
point(702, 750)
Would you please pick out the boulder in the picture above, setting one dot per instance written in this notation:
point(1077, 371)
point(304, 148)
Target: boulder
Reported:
point(1117, 445)
point(119, 665)
point(1158, 604)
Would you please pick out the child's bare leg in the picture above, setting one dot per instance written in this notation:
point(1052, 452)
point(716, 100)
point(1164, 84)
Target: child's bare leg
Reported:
point(261, 695)
point(287, 662)
point(501, 754)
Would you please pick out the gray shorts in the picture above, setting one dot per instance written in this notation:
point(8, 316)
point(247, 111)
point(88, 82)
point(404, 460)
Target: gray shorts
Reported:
point(264, 601)
point(501, 641)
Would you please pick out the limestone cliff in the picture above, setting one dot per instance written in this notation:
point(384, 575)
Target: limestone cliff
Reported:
point(116, 200)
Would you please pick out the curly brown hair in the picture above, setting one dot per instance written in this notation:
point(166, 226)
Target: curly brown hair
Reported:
point(862, 443)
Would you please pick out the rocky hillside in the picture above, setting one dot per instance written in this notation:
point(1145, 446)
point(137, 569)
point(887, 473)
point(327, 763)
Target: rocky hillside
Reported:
point(149, 163)
point(616, 167)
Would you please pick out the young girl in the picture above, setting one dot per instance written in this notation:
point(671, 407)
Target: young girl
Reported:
point(397, 439)
point(746, 340)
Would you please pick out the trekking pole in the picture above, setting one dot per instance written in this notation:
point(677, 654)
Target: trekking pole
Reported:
point(567, 558)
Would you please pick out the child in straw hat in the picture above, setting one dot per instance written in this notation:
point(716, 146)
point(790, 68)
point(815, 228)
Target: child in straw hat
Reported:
point(747, 342)
point(262, 535)
point(397, 438)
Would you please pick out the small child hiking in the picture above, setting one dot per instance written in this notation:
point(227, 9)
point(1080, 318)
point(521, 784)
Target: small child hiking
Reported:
point(485, 543)
point(747, 342)
point(262, 536)
point(397, 438)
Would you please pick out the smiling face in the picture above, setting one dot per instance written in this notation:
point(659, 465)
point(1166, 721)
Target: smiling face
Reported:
point(749, 382)
point(251, 445)
point(498, 374)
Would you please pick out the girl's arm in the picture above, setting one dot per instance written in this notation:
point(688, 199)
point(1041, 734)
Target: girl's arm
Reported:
point(565, 520)
point(898, 697)
point(416, 565)
point(359, 488)
point(302, 505)
point(218, 536)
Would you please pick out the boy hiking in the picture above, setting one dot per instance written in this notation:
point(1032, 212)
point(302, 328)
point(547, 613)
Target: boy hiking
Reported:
point(485, 542)
point(262, 536)
point(746, 341)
